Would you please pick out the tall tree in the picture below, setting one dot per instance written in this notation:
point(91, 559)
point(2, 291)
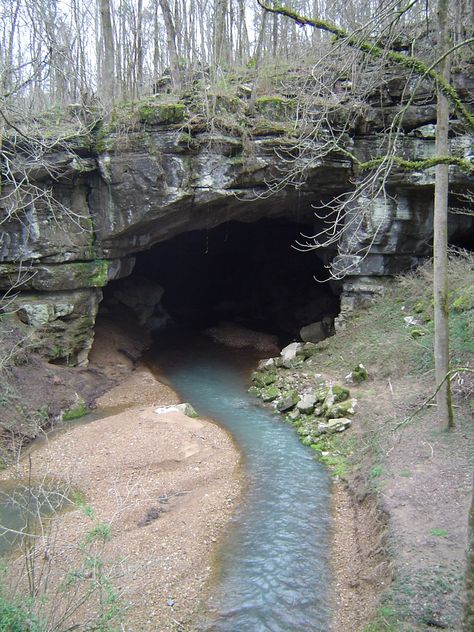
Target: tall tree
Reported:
point(440, 238)
point(171, 40)
point(108, 52)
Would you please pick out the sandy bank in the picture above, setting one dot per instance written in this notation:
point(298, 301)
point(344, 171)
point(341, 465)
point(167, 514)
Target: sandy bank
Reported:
point(166, 484)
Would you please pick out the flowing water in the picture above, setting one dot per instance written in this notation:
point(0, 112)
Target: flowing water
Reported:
point(272, 570)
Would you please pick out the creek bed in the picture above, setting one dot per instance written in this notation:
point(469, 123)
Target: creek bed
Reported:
point(272, 570)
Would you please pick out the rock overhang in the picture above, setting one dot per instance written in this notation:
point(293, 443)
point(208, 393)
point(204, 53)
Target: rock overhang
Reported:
point(128, 193)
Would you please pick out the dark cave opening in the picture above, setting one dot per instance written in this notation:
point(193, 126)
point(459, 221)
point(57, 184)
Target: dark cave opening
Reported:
point(246, 273)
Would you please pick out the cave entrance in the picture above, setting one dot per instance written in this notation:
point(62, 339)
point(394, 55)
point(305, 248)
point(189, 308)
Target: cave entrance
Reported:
point(246, 273)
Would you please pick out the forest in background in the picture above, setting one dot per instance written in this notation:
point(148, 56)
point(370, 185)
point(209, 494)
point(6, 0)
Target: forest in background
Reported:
point(57, 52)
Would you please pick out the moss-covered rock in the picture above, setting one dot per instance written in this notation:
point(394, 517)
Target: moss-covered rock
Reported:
point(276, 108)
point(359, 374)
point(161, 113)
point(263, 378)
point(341, 409)
point(270, 393)
point(340, 393)
point(77, 411)
point(288, 401)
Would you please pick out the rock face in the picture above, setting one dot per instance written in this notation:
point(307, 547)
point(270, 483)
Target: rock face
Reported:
point(120, 194)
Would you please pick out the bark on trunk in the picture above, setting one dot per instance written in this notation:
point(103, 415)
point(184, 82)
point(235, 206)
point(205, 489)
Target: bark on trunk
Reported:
point(440, 245)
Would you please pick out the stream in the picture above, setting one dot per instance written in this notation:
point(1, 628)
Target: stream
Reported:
point(272, 569)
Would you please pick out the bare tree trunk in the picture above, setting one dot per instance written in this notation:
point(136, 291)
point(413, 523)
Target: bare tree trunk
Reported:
point(108, 49)
point(258, 55)
point(221, 55)
point(440, 245)
point(469, 578)
point(171, 40)
point(139, 48)
point(156, 41)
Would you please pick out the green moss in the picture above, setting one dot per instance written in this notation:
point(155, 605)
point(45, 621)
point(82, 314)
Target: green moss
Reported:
point(420, 165)
point(439, 533)
point(100, 275)
point(340, 393)
point(161, 113)
point(270, 393)
point(417, 333)
point(265, 127)
point(276, 108)
point(263, 378)
point(359, 374)
point(76, 412)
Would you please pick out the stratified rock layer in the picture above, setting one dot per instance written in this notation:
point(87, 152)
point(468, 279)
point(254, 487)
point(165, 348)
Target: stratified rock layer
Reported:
point(120, 194)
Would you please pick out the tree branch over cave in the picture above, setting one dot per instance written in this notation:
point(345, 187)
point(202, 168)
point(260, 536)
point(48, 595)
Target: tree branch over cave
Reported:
point(364, 45)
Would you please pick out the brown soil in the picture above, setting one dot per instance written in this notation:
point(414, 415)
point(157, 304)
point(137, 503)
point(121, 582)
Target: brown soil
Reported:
point(34, 393)
point(358, 561)
point(401, 519)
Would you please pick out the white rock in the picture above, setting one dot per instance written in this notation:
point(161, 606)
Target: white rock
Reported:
point(289, 352)
point(266, 363)
point(185, 409)
point(410, 321)
point(306, 403)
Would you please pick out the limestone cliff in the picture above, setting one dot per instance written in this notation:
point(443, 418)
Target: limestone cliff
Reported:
point(159, 169)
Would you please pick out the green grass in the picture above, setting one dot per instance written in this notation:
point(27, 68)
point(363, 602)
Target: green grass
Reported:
point(15, 616)
point(340, 448)
point(385, 620)
point(440, 533)
point(378, 337)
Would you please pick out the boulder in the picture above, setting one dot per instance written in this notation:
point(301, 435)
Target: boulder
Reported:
point(266, 364)
point(306, 404)
point(314, 332)
point(342, 409)
point(288, 402)
point(338, 425)
point(317, 331)
point(143, 296)
point(288, 354)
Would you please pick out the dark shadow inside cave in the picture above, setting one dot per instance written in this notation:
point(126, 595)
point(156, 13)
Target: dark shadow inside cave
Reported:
point(247, 273)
